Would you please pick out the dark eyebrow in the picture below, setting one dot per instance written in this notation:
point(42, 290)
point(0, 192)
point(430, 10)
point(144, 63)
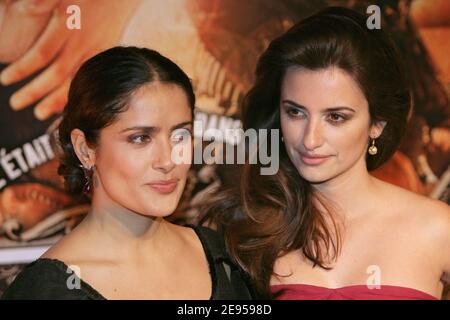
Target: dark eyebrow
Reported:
point(338, 108)
point(180, 125)
point(142, 128)
point(150, 129)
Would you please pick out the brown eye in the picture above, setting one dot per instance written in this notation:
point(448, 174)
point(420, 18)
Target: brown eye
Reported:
point(140, 139)
point(295, 113)
point(336, 117)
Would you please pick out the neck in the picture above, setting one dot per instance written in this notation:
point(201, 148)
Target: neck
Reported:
point(351, 192)
point(120, 231)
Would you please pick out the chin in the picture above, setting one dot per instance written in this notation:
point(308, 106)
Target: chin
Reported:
point(160, 211)
point(314, 177)
point(150, 210)
point(156, 212)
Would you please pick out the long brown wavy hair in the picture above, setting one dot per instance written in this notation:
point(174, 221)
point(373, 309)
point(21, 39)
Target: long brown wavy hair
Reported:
point(267, 216)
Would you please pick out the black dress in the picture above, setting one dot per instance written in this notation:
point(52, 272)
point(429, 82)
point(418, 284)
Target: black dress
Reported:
point(48, 278)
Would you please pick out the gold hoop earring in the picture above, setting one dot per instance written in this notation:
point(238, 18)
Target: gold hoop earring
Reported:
point(373, 150)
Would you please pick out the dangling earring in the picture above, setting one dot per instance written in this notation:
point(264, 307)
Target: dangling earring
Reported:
point(88, 179)
point(282, 138)
point(373, 149)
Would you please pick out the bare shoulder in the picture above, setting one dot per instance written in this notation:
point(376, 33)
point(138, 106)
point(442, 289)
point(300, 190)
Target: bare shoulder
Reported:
point(67, 248)
point(188, 236)
point(424, 215)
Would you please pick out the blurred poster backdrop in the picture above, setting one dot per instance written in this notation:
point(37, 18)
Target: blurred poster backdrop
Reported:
point(217, 42)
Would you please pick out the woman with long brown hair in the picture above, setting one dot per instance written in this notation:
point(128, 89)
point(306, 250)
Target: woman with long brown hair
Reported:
point(322, 227)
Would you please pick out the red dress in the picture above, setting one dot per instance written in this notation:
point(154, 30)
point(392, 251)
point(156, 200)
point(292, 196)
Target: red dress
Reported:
point(355, 292)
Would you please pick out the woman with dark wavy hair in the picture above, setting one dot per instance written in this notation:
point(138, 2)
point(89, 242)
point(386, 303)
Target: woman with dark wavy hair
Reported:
point(323, 227)
point(129, 114)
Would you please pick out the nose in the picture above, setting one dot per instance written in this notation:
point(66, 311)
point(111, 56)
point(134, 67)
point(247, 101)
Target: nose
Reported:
point(163, 160)
point(313, 136)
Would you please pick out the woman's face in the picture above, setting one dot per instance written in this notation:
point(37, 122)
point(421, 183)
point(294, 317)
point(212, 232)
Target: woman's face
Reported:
point(325, 122)
point(134, 166)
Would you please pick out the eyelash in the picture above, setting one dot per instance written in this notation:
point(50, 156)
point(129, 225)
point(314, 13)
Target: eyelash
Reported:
point(133, 139)
point(296, 113)
point(341, 116)
point(145, 138)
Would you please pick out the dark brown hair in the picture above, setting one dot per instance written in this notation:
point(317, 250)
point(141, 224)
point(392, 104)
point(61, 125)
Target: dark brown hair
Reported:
point(101, 90)
point(268, 216)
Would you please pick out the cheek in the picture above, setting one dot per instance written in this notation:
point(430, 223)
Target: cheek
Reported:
point(132, 165)
point(349, 142)
point(122, 163)
point(184, 168)
point(182, 171)
point(290, 130)
point(292, 134)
